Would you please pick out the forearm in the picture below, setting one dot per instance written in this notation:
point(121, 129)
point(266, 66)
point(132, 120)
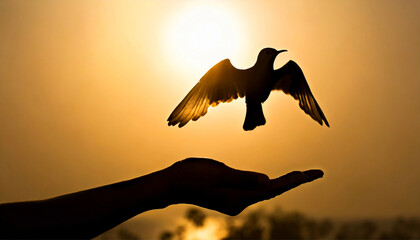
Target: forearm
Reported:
point(202, 182)
point(85, 214)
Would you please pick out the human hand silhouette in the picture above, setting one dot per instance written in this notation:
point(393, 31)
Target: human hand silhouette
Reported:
point(199, 181)
point(213, 185)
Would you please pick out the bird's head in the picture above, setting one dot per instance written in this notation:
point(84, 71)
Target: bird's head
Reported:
point(268, 55)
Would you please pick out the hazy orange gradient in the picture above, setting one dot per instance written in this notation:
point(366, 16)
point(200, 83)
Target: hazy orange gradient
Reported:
point(86, 88)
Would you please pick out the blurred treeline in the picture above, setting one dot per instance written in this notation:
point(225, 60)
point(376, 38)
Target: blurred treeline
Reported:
point(279, 224)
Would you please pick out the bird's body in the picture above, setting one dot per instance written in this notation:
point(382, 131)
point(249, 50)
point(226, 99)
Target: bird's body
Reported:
point(223, 83)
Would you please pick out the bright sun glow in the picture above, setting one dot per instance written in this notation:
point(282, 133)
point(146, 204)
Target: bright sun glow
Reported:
point(205, 37)
point(202, 36)
point(212, 230)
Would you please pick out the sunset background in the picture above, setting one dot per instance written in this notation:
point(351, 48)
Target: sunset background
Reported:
point(86, 88)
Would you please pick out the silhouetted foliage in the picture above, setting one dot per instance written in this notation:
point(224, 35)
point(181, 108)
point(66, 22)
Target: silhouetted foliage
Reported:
point(278, 224)
point(251, 228)
point(357, 230)
point(196, 216)
point(403, 229)
point(318, 229)
point(286, 225)
point(166, 235)
point(178, 233)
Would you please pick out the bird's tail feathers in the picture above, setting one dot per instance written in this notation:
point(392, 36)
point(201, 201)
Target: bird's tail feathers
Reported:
point(254, 116)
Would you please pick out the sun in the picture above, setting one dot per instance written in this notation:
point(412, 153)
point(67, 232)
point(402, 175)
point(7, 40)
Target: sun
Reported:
point(202, 35)
point(205, 36)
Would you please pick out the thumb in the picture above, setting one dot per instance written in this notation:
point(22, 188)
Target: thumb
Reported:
point(292, 180)
point(247, 180)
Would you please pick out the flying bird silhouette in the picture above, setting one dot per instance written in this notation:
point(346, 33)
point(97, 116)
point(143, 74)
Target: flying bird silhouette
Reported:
point(223, 83)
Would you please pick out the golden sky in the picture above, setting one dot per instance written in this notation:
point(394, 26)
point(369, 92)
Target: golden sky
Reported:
point(86, 88)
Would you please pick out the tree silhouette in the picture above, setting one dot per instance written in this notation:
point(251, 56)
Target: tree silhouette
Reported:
point(196, 216)
point(251, 228)
point(357, 230)
point(403, 228)
point(279, 224)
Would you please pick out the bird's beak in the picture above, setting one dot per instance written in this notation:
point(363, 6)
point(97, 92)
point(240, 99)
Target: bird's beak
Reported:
point(280, 51)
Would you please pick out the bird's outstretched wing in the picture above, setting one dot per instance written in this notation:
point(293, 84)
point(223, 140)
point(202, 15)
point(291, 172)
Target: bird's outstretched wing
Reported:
point(222, 83)
point(290, 80)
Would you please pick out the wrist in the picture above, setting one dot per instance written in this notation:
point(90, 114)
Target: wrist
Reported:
point(148, 192)
point(177, 188)
point(161, 188)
